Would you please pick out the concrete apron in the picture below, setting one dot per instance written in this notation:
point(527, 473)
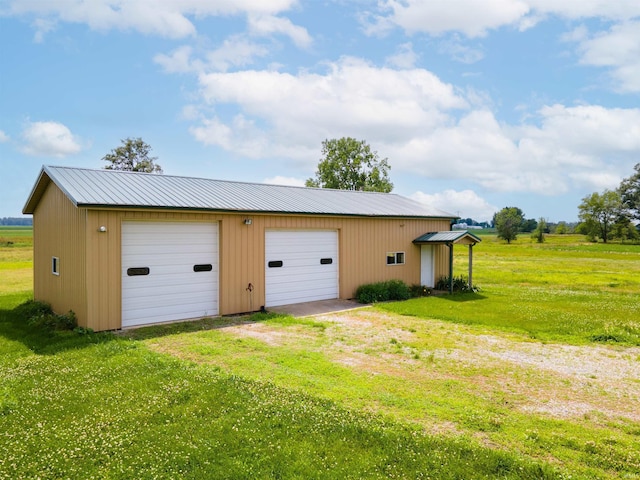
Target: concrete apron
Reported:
point(309, 309)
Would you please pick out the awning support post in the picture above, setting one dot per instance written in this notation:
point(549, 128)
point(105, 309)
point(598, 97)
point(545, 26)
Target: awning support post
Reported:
point(471, 265)
point(450, 245)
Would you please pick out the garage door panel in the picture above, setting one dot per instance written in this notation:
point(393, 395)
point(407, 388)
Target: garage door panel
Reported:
point(160, 285)
point(195, 301)
point(171, 255)
point(149, 316)
point(171, 290)
point(141, 290)
point(300, 297)
point(311, 281)
point(301, 277)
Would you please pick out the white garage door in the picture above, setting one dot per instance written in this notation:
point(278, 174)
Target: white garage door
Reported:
point(169, 271)
point(301, 266)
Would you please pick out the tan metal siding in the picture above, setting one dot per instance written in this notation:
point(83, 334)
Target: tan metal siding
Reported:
point(363, 245)
point(59, 232)
point(103, 271)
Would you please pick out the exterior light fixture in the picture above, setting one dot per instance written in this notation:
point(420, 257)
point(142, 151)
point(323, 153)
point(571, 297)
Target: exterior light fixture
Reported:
point(247, 221)
point(102, 229)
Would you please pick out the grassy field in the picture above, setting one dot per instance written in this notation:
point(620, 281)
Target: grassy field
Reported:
point(564, 289)
point(428, 388)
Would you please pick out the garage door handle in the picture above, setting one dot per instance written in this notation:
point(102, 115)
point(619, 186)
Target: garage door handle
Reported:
point(326, 261)
point(203, 267)
point(134, 271)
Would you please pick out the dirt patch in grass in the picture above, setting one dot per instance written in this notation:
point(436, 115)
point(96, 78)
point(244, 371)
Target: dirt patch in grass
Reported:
point(562, 381)
point(262, 332)
point(576, 380)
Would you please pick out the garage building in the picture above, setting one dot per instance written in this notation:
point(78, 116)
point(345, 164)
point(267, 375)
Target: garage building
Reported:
point(123, 249)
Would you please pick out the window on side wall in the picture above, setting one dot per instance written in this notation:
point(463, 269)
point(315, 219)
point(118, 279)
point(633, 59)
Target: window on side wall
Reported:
point(55, 265)
point(395, 258)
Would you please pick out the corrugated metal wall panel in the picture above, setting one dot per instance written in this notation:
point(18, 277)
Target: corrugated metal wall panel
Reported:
point(59, 232)
point(363, 245)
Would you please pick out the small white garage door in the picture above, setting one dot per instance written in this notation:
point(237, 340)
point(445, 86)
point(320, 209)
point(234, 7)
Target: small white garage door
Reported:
point(301, 266)
point(169, 271)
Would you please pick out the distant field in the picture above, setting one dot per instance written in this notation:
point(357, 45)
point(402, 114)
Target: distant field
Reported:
point(536, 376)
point(19, 236)
point(16, 260)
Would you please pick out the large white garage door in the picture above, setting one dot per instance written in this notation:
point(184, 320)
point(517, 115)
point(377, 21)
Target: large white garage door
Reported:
point(169, 271)
point(301, 266)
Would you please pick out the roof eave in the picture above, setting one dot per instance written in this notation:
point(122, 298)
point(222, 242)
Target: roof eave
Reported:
point(39, 188)
point(249, 212)
point(463, 235)
point(36, 192)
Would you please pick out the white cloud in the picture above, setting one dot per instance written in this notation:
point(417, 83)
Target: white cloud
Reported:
point(460, 52)
point(405, 57)
point(3, 137)
point(49, 139)
point(465, 203)
point(590, 129)
point(596, 180)
point(586, 145)
point(474, 18)
point(423, 125)
point(240, 135)
point(235, 51)
point(352, 98)
point(290, 181)
point(42, 26)
point(266, 25)
point(178, 61)
point(618, 10)
point(471, 17)
point(168, 18)
point(578, 34)
point(619, 49)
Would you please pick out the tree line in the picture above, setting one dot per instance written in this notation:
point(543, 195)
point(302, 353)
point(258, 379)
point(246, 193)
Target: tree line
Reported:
point(603, 216)
point(16, 221)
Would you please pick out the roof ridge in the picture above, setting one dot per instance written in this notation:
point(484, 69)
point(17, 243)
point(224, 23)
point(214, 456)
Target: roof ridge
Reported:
point(128, 172)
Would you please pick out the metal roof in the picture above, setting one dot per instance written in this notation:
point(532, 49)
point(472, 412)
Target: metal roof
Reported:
point(110, 188)
point(447, 237)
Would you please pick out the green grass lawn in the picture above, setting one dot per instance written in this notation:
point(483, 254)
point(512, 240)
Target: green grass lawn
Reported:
point(389, 394)
point(564, 289)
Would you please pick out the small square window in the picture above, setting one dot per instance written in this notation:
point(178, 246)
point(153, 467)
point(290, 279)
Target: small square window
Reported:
point(395, 258)
point(55, 265)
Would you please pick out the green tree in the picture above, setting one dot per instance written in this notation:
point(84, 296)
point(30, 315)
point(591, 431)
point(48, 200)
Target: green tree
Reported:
point(598, 212)
point(540, 230)
point(528, 225)
point(349, 164)
point(508, 222)
point(133, 156)
point(562, 229)
point(624, 229)
point(630, 192)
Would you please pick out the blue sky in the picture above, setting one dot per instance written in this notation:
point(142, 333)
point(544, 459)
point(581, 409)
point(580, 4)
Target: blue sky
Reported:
point(477, 105)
